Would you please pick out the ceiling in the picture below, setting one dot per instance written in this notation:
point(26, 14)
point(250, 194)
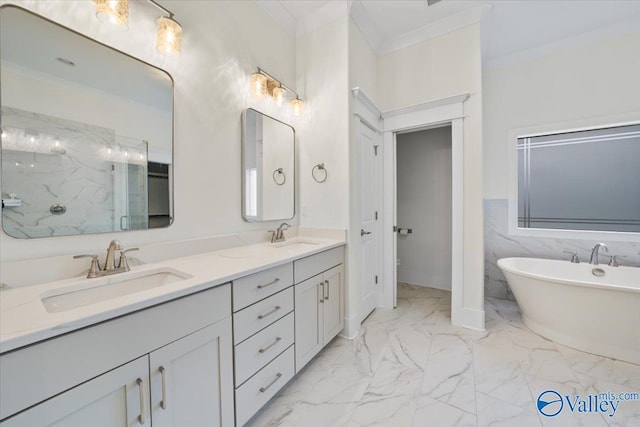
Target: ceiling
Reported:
point(511, 26)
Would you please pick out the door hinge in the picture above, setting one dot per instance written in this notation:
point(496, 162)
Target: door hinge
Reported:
point(395, 228)
point(375, 149)
point(376, 215)
point(376, 280)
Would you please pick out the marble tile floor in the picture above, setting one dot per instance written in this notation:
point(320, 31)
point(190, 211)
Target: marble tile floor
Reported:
point(410, 367)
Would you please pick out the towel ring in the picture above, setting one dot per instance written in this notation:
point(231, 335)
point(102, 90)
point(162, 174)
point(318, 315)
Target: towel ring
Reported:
point(319, 173)
point(277, 173)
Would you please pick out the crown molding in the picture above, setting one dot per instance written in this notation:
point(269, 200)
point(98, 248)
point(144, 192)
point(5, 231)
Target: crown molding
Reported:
point(435, 29)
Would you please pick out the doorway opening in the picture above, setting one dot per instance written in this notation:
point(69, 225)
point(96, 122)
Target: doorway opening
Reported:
point(424, 207)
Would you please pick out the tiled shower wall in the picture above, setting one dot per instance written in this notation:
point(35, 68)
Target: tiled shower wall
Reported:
point(499, 244)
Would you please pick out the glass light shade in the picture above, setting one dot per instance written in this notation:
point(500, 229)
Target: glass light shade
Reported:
point(278, 95)
point(114, 11)
point(297, 105)
point(258, 85)
point(169, 39)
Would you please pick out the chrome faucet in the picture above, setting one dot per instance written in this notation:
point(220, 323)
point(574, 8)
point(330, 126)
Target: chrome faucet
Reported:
point(594, 253)
point(109, 264)
point(278, 235)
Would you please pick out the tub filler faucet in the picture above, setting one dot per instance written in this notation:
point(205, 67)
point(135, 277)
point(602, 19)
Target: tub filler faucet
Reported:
point(594, 252)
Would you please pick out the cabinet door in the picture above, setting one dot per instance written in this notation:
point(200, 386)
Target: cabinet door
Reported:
point(333, 305)
point(119, 398)
point(308, 320)
point(192, 379)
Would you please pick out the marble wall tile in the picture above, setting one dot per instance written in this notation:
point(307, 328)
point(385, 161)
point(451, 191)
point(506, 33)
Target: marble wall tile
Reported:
point(498, 243)
point(79, 174)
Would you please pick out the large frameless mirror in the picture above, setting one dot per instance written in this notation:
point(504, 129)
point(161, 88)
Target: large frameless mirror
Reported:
point(268, 168)
point(87, 133)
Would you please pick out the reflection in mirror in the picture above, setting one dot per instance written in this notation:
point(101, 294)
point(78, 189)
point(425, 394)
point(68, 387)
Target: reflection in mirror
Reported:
point(87, 133)
point(580, 180)
point(268, 158)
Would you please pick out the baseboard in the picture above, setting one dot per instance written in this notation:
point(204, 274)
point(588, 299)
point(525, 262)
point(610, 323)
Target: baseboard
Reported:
point(351, 328)
point(432, 286)
point(472, 319)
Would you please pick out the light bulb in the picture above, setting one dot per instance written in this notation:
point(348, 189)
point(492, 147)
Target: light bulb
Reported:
point(297, 105)
point(169, 37)
point(126, 153)
point(279, 95)
point(113, 11)
point(258, 85)
point(32, 139)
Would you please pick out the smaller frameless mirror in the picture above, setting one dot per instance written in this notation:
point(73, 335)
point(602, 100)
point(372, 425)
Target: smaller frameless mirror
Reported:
point(268, 168)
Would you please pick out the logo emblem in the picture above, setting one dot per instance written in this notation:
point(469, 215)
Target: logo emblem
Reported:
point(550, 403)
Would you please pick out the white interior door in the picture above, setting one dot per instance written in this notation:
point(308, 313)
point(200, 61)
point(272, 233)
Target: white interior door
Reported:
point(369, 233)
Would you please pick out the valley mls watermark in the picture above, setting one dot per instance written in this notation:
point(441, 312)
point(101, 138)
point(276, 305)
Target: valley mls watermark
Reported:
point(551, 403)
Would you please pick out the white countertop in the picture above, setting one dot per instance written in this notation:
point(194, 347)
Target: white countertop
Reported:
point(24, 319)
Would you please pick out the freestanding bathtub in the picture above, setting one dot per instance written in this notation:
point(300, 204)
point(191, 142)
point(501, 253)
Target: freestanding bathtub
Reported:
point(591, 308)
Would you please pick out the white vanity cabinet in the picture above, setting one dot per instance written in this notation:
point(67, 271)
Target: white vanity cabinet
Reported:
point(190, 379)
point(319, 302)
point(168, 365)
point(263, 331)
point(118, 398)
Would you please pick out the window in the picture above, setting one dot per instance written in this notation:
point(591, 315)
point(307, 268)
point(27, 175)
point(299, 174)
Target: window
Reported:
point(580, 180)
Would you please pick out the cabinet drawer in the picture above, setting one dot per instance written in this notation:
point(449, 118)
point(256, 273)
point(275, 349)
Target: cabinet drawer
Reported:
point(316, 264)
point(253, 394)
point(263, 347)
point(260, 315)
point(253, 288)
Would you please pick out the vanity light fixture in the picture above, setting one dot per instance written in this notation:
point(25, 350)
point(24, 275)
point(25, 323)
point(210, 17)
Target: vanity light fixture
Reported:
point(258, 85)
point(113, 11)
point(297, 105)
point(262, 84)
point(279, 94)
point(169, 37)
point(57, 147)
point(169, 32)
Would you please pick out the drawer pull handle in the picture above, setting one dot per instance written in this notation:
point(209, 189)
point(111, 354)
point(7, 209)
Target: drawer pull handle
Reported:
point(163, 402)
point(265, 388)
point(262, 350)
point(322, 290)
point(262, 316)
point(140, 383)
point(273, 282)
point(326, 282)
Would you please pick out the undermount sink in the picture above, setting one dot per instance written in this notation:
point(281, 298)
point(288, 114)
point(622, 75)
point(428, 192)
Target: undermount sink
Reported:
point(297, 244)
point(90, 291)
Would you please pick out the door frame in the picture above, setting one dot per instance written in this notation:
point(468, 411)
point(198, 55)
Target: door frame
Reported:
point(414, 118)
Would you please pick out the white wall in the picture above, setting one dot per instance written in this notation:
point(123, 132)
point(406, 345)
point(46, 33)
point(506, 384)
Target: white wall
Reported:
point(585, 85)
point(322, 69)
point(424, 205)
point(223, 42)
point(438, 68)
point(363, 72)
